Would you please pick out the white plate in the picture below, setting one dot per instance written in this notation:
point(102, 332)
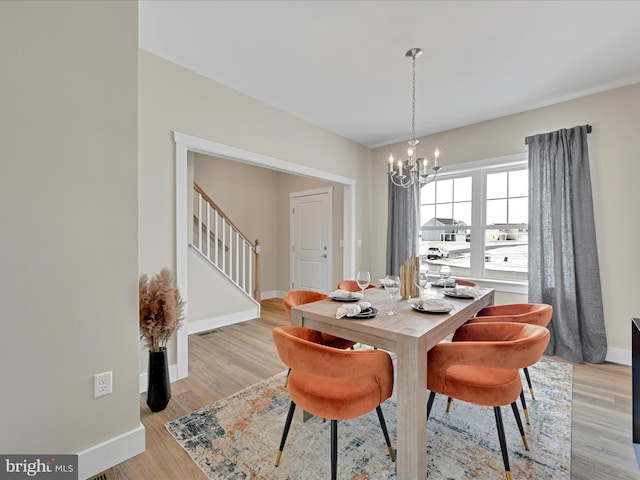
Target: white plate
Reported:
point(430, 306)
point(347, 299)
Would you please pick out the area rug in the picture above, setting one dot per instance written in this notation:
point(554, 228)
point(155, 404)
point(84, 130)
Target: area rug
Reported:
point(238, 437)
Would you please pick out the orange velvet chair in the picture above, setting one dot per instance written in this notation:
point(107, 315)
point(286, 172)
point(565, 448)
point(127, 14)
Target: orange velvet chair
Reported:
point(331, 383)
point(467, 283)
point(300, 297)
point(352, 286)
point(532, 313)
point(481, 366)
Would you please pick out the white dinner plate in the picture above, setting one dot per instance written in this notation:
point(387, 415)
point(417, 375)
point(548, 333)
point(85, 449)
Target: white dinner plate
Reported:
point(430, 306)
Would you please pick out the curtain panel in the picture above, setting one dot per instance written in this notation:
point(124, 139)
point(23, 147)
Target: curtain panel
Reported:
point(563, 256)
point(402, 226)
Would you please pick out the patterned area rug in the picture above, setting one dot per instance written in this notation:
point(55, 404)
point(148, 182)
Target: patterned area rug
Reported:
point(238, 437)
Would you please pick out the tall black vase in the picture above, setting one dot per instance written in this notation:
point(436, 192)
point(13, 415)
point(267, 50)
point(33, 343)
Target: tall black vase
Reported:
point(159, 388)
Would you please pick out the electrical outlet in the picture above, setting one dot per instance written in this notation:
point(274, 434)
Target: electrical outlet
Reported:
point(102, 384)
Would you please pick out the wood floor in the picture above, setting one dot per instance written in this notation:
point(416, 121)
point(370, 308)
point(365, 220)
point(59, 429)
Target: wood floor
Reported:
point(224, 361)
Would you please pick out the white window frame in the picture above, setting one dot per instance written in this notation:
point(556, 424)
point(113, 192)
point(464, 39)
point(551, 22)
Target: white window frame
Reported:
point(478, 171)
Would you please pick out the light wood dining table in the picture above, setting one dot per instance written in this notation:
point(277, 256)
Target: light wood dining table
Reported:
point(410, 335)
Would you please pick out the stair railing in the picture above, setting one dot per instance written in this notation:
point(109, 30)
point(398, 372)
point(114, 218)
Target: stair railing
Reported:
point(218, 239)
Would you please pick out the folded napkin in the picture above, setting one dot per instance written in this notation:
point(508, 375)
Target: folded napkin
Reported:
point(450, 282)
point(351, 309)
point(464, 290)
point(344, 294)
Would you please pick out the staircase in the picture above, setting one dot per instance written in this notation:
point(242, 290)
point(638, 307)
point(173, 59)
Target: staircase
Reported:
point(224, 246)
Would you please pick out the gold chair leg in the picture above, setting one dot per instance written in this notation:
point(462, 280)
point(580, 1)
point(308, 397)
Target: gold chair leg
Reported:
point(508, 475)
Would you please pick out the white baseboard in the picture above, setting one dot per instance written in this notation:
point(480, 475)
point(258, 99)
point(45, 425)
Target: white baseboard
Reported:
point(222, 321)
point(271, 294)
point(112, 452)
point(619, 355)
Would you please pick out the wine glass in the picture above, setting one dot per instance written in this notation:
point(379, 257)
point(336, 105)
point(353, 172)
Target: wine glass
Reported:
point(392, 286)
point(363, 279)
point(445, 273)
point(420, 279)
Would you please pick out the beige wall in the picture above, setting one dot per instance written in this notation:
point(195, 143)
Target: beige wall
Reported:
point(175, 99)
point(68, 129)
point(614, 148)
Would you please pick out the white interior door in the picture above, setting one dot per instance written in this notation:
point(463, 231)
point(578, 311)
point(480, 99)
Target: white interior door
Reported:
point(311, 240)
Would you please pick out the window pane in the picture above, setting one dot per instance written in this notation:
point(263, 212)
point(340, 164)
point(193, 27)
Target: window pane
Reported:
point(506, 254)
point(462, 212)
point(497, 185)
point(444, 191)
point(496, 211)
point(462, 189)
point(444, 210)
point(519, 183)
point(428, 193)
point(519, 210)
point(427, 212)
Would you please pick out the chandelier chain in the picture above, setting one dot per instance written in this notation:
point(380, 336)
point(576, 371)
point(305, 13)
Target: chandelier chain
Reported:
point(413, 102)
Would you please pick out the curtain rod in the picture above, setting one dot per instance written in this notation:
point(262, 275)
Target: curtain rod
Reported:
point(526, 140)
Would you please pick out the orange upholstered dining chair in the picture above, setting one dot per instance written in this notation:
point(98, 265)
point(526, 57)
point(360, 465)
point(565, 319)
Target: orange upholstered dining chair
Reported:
point(532, 313)
point(331, 383)
point(352, 286)
point(466, 283)
point(300, 297)
point(481, 366)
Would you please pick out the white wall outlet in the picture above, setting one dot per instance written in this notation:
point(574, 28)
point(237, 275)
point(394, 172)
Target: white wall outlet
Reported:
point(102, 384)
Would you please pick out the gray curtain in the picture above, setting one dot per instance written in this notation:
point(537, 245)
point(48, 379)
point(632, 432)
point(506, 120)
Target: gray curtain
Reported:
point(402, 226)
point(563, 257)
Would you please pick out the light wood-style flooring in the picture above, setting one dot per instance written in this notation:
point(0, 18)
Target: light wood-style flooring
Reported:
point(224, 361)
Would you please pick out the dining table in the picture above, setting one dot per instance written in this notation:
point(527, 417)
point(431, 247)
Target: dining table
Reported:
point(410, 334)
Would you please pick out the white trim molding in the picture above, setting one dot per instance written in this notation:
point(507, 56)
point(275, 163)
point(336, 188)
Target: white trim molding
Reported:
point(186, 144)
point(105, 455)
point(222, 321)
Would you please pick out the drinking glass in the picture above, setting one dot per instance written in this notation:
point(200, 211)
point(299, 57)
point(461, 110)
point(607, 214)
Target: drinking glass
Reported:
point(445, 273)
point(392, 286)
point(420, 279)
point(363, 279)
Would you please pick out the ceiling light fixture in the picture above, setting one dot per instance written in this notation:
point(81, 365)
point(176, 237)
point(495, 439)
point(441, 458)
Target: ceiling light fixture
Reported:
point(413, 170)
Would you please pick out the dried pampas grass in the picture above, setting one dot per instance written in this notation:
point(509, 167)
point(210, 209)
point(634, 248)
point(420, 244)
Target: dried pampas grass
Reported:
point(160, 309)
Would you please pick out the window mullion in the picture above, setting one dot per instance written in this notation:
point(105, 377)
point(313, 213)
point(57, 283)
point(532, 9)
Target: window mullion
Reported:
point(478, 214)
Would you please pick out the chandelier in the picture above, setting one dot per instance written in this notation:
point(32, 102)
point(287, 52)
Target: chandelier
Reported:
point(413, 170)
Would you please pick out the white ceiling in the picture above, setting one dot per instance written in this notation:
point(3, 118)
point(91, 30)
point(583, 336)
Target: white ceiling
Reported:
point(341, 64)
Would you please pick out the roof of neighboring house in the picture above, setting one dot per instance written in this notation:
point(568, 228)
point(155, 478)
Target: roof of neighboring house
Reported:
point(443, 222)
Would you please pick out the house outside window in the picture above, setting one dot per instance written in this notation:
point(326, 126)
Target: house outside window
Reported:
point(474, 218)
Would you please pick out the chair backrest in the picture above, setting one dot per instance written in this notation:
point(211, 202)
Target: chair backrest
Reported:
point(351, 286)
point(300, 297)
point(299, 349)
point(466, 283)
point(501, 344)
point(533, 313)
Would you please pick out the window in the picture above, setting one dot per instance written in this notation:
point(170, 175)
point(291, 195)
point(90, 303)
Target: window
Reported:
point(475, 219)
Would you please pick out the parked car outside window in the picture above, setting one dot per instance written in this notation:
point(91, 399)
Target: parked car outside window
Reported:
point(436, 253)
